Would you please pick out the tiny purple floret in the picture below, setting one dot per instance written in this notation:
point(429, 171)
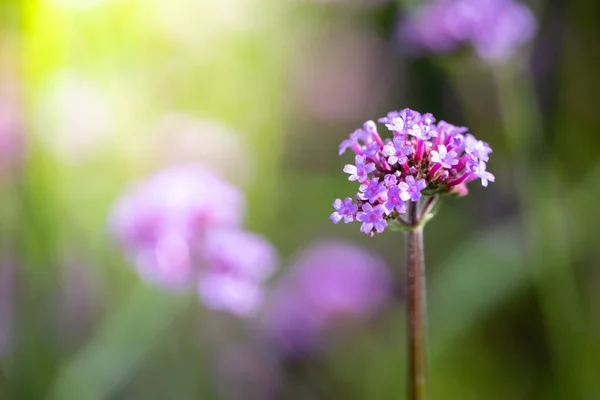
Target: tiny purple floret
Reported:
point(444, 157)
point(411, 188)
point(344, 210)
point(372, 218)
point(360, 171)
point(394, 201)
point(373, 191)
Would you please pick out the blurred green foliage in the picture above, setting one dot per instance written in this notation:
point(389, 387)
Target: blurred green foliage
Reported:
point(514, 288)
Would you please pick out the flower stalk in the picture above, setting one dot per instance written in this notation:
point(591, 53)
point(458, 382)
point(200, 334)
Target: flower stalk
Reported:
point(400, 182)
point(416, 308)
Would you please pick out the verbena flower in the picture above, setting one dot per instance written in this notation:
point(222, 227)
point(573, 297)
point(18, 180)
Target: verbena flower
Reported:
point(424, 158)
point(444, 157)
point(397, 150)
point(183, 227)
point(345, 210)
point(361, 170)
point(411, 189)
point(494, 28)
point(372, 218)
point(330, 281)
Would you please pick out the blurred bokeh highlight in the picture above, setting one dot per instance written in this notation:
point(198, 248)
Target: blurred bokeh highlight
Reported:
point(167, 169)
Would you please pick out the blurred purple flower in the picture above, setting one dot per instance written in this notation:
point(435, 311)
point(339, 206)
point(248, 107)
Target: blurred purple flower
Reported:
point(495, 28)
point(331, 280)
point(238, 263)
point(182, 227)
point(175, 203)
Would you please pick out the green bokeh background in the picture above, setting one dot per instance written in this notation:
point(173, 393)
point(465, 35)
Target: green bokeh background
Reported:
point(513, 277)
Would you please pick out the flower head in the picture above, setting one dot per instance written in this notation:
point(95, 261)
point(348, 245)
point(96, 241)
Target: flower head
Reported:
point(422, 159)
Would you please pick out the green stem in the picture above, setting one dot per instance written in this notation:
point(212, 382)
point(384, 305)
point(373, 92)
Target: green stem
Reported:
point(416, 314)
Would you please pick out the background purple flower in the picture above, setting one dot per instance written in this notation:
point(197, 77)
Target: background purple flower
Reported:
point(178, 199)
point(329, 280)
point(158, 221)
point(495, 28)
point(227, 292)
point(239, 253)
point(182, 227)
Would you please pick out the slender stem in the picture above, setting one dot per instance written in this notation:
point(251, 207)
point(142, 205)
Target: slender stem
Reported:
point(416, 313)
point(427, 207)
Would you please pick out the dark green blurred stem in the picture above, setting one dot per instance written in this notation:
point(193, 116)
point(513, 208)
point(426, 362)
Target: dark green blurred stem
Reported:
point(416, 308)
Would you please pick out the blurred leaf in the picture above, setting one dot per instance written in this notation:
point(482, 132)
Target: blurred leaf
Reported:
point(478, 277)
point(119, 347)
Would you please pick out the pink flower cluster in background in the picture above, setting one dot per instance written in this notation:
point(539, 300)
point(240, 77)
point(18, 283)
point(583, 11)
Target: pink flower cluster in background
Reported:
point(330, 281)
point(495, 28)
point(182, 227)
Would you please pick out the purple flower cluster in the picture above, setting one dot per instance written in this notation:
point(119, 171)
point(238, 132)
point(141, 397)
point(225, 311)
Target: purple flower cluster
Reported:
point(183, 227)
point(424, 158)
point(493, 27)
point(331, 280)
